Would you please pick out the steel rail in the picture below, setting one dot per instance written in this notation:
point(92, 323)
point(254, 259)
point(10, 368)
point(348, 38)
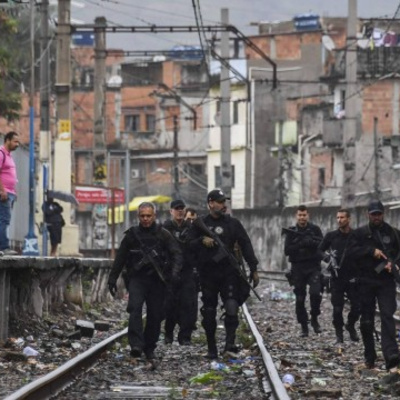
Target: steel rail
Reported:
point(276, 386)
point(52, 383)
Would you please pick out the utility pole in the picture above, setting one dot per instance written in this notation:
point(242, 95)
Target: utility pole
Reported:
point(44, 108)
point(226, 166)
point(31, 242)
point(99, 160)
point(62, 145)
point(376, 158)
point(176, 160)
point(127, 184)
point(350, 133)
point(281, 200)
point(99, 82)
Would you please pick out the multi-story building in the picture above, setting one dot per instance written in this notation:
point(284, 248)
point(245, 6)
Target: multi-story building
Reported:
point(309, 105)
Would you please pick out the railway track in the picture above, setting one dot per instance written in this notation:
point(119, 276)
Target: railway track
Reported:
point(150, 381)
point(319, 367)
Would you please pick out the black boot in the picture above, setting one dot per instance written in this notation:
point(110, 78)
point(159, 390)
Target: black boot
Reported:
point(212, 353)
point(339, 335)
point(304, 329)
point(230, 340)
point(352, 332)
point(315, 325)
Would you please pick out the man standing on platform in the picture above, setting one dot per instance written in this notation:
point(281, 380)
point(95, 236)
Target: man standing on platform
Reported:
point(8, 188)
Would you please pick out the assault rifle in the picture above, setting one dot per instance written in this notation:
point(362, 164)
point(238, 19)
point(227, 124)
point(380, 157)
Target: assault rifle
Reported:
point(149, 256)
point(395, 268)
point(305, 233)
point(223, 252)
point(333, 265)
point(381, 266)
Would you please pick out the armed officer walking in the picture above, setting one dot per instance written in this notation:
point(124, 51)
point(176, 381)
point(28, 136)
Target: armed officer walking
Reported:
point(378, 250)
point(217, 274)
point(181, 305)
point(344, 278)
point(144, 252)
point(301, 245)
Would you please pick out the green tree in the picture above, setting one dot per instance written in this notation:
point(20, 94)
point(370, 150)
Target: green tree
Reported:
point(10, 99)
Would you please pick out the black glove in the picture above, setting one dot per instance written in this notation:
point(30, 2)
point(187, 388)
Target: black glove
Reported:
point(112, 287)
point(254, 279)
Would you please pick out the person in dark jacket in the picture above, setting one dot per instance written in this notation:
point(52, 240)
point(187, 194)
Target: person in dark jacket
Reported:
point(217, 275)
point(181, 304)
point(344, 277)
point(153, 260)
point(54, 222)
point(378, 251)
point(301, 245)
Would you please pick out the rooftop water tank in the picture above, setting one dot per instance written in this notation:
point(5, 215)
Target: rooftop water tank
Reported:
point(307, 22)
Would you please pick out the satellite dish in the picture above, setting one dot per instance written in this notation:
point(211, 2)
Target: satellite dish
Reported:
point(328, 43)
point(363, 43)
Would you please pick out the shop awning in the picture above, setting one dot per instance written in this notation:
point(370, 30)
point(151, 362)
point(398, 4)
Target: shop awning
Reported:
point(134, 204)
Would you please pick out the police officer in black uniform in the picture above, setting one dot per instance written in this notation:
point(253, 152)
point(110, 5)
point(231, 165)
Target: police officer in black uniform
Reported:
point(344, 277)
point(378, 250)
point(217, 275)
point(181, 304)
point(148, 277)
point(301, 245)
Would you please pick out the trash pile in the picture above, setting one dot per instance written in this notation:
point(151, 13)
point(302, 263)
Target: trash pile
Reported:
point(36, 347)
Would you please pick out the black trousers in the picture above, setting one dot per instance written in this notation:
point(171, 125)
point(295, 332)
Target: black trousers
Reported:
point(304, 275)
point(182, 306)
point(221, 281)
point(382, 292)
point(149, 290)
point(339, 288)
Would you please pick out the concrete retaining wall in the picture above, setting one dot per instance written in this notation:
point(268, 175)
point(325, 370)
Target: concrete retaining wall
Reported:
point(33, 286)
point(264, 228)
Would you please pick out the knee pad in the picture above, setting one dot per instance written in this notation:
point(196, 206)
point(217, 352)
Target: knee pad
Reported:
point(300, 299)
point(231, 307)
point(367, 326)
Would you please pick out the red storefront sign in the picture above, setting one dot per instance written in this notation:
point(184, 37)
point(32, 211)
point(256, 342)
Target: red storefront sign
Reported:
point(99, 195)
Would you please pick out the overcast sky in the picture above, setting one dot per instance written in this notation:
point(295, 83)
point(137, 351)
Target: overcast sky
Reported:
point(180, 12)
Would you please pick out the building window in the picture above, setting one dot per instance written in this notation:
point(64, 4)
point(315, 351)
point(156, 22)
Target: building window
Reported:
point(235, 116)
point(218, 180)
point(132, 123)
point(150, 122)
point(321, 180)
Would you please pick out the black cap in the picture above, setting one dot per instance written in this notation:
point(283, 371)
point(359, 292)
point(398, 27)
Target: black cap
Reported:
point(375, 206)
point(177, 203)
point(217, 195)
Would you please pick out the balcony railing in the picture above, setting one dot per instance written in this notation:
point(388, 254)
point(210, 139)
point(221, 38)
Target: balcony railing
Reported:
point(375, 62)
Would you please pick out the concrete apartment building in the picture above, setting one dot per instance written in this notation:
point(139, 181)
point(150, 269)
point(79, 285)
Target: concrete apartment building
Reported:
point(309, 105)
